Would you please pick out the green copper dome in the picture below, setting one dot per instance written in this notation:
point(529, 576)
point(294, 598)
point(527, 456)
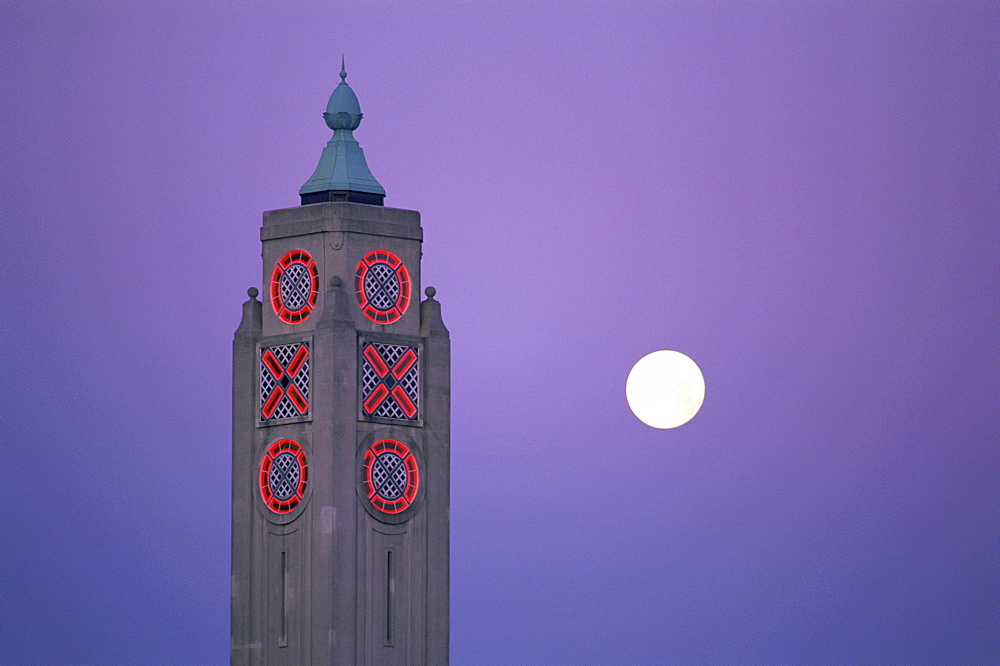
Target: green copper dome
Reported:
point(342, 173)
point(343, 110)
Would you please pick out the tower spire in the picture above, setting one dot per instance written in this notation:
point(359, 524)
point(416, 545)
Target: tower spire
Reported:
point(342, 173)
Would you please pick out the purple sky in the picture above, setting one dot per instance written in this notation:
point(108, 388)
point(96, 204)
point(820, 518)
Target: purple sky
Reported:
point(801, 197)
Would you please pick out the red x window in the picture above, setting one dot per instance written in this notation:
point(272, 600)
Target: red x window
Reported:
point(284, 381)
point(390, 382)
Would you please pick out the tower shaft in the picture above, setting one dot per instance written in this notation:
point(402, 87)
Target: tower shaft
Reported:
point(341, 440)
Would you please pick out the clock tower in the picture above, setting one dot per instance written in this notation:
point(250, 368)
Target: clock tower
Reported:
point(341, 417)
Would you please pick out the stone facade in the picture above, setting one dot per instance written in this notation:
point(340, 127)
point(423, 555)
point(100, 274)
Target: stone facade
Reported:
point(341, 446)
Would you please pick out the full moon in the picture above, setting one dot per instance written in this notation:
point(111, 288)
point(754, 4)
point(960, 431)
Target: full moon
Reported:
point(665, 389)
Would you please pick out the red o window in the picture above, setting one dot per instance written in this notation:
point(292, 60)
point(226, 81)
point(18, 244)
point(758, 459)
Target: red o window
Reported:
point(283, 476)
point(391, 476)
point(383, 286)
point(294, 286)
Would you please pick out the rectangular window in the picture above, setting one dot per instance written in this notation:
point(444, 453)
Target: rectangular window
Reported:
point(284, 383)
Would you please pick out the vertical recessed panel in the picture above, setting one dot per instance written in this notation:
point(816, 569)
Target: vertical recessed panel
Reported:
point(388, 598)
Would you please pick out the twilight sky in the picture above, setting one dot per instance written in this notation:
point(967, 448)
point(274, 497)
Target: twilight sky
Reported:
point(802, 197)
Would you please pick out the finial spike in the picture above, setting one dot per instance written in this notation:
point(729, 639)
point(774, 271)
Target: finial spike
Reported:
point(343, 70)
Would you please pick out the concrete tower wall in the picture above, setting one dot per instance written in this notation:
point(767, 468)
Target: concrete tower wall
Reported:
point(335, 579)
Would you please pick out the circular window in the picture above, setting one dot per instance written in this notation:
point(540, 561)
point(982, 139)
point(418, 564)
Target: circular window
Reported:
point(383, 286)
point(294, 286)
point(391, 476)
point(283, 476)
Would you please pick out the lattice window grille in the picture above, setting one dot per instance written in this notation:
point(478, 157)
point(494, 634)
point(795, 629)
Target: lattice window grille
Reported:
point(284, 476)
point(385, 404)
point(382, 286)
point(389, 476)
point(296, 286)
point(369, 380)
point(288, 405)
